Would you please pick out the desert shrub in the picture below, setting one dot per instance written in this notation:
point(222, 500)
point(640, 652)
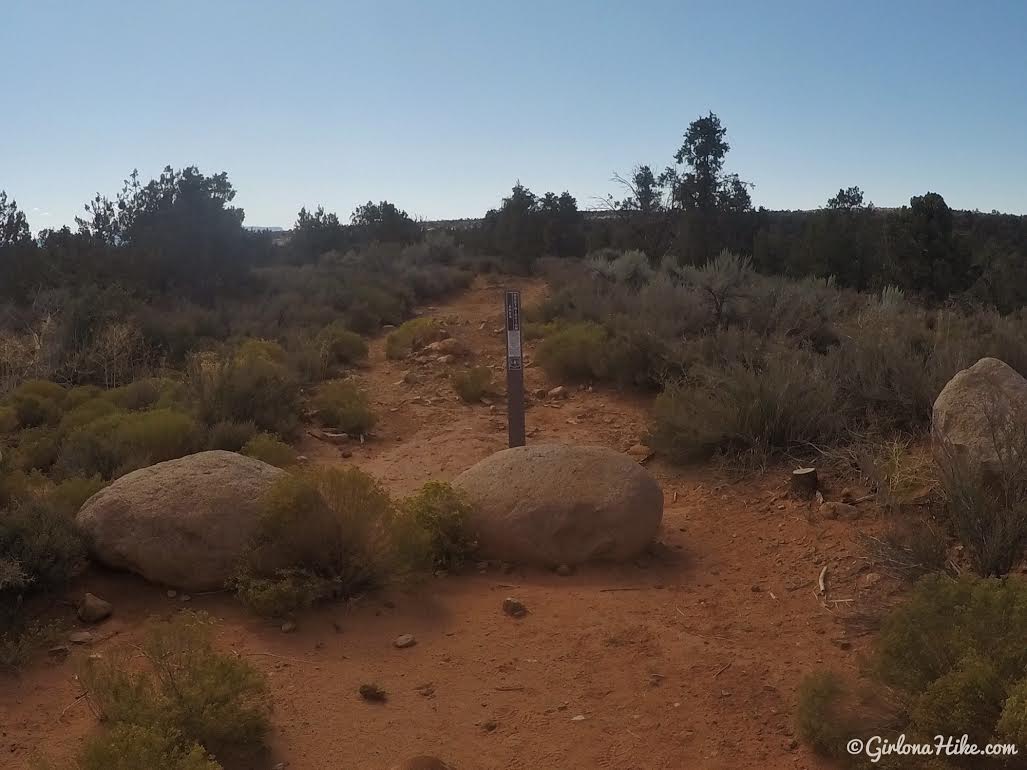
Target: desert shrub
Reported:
point(985, 503)
point(441, 515)
point(140, 394)
point(247, 388)
point(819, 719)
point(909, 547)
point(748, 408)
point(187, 690)
point(574, 353)
point(342, 345)
point(85, 413)
point(9, 421)
point(536, 330)
point(40, 549)
point(269, 350)
point(14, 485)
point(344, 406)
point(322, 534)
point(80, 394)
point(230, 436)
point(130, 747)
point(411, 336)
point(124, 441)
point(68, 495)
point(948, 661)
point(371, 307)
point(267, 448)
point(20, 642)
point(38, 449)
point(37, 402)
point(472, 384)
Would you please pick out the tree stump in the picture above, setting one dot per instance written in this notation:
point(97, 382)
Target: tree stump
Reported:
point(804, 483)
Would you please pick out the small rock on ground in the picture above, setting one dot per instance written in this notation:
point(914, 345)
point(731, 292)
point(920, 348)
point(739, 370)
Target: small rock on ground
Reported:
point(514, 608)
point(80, 637)
point(404, 640)
point(93, 609)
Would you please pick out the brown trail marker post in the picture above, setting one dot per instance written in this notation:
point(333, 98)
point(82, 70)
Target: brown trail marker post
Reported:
point(514, 369)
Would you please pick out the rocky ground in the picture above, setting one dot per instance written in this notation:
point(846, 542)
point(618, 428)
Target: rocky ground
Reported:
point(687, 658)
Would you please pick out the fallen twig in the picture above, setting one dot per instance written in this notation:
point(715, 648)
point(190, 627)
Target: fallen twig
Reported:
point(611, 590)
point(722, 669)
point(517, 688)
point(822, 581)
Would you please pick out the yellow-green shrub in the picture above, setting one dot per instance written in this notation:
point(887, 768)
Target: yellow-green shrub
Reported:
point(472, 384)
point(128, 440)
point(410, 336)
point(38, 449)
point(69, 495)
point(322, 534)
point(8, 419)
point(187, 690)
point(344, 406)
point(267, 448)
point(441, 515)
point(37, 402)
point(131, 747)
point(952, 661)
point(252, 387)
point(80, 394)
point(342, 345)
point(574, 353)
point(231, 436)
point(85, 413)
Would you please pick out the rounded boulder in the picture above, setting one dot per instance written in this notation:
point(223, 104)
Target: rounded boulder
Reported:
point(552, 504)
point(183, 523)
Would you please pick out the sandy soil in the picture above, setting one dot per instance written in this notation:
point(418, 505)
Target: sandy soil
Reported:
point(688, 658)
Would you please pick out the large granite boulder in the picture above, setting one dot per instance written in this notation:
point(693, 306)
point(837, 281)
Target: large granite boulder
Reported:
point(553, 504)
point(980, 416)
point(183, 523)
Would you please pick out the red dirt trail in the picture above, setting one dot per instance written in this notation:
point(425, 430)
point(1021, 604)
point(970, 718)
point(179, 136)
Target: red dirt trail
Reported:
point(689, 658)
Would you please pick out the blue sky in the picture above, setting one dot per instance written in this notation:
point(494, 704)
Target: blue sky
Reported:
point(442, 106)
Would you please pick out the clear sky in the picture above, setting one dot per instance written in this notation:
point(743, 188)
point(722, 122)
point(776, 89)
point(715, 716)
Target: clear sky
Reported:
point(441, 106)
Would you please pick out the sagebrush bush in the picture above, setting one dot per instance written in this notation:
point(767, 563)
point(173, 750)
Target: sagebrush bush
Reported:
point(140, 394)
point(68, 495)
point(343, 405)
point(949, 661)
point(326, 533)
point(250, 387)
point(8, 419)
point(38, 449)
point(185, 689)
point(412, 336)
point(749, 408)
point(124, 441)
point(574, 353)
point(20, 641)
point(269, 449)
point(472, 384)
point(37, 402)
point(85, 413)
point(230, 436)
point(440, 515)
point(341, 345)
point(132, 747)
point(40, 549)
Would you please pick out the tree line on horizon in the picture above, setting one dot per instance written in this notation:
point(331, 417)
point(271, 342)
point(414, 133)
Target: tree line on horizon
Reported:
point(181, 233)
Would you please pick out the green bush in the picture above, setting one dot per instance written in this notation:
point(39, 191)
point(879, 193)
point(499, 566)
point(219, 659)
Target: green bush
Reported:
point(69, 495)
point(9, 421)
point(80, 394)
point(267, 448)
point(38, 449)
point(472, 384)
point(442, 514)
point(131, 747)
point(85, 413)
point(121, 442)
point(187, 691)
point(950, 660)
point(344, 406)
point(230, 436)
point(323, 534)
point(342, 345)
point(574, 353)
point(140, 394)
point(749, 408)
point(40, 549)
point(412, 336)
point(37, 402)
point(20, 642)
point(254, 387)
